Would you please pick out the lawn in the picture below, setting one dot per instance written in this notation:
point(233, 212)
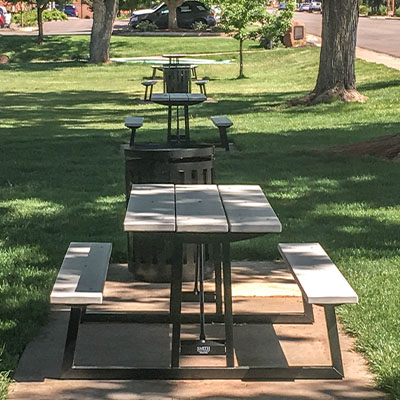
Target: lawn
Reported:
point(62, 174)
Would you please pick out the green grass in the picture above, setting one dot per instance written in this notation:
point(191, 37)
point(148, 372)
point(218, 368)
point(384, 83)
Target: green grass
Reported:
point(62, 172)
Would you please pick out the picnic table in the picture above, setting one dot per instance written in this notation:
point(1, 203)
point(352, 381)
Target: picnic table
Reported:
point(216, 214)
point(174, 58)
point(179, 100)
point(202, 214)
point(176, 75)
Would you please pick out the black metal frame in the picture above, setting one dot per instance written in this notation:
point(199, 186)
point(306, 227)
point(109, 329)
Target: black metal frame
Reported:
point(178, 138)
point(217, 346)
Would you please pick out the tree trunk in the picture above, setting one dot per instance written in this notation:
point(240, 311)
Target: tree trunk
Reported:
point(40, 24)
point(104, 12)
point(241, 75)
point(336, 75)
point(172, 18)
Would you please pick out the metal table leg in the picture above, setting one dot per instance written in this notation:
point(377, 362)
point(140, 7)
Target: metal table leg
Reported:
point(187, 135)
point(169, 123)
point(176, 301)
point(216, 253)
point(226, 264)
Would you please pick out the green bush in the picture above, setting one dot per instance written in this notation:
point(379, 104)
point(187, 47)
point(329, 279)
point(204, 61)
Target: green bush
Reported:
point(146, 26)
point(382, 10)
point(54, 15)
point(274, 27)
point(199, 26)
point(397, 12)
point(364, 9)
point(29, 18)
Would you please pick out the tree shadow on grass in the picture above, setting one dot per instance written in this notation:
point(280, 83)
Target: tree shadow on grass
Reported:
point(56, 48)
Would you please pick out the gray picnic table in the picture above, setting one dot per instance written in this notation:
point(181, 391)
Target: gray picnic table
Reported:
point(178, 100)
point(215, 214)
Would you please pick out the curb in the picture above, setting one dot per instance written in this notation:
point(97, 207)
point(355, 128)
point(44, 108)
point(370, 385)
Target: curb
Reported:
point(125, 32)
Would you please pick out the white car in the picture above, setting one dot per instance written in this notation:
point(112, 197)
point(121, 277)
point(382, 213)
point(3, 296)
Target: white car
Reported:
point(7, 16)
point(304, 7)
point(315, 6)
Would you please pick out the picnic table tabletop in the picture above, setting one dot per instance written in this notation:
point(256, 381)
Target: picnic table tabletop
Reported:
point(201, 209)
point(176, 99)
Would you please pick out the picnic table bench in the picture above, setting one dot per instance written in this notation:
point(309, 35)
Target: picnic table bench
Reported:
point(148, 84)
point(222, 123)
point(80, 283)
point(321, 283)
point(133, 123)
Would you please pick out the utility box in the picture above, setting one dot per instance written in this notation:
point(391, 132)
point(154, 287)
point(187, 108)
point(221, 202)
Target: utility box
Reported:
point(295, 35)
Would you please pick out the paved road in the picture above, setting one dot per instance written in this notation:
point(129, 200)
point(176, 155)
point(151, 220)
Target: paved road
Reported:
point(73, 26)
point(380, 35)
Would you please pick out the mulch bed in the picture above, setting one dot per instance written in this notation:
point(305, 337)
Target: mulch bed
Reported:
point(386, 147)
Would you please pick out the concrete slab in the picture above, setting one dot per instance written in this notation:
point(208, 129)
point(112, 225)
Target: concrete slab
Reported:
point(148, 345)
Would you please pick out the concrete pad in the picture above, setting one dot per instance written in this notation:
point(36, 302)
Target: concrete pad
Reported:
point(148, 345)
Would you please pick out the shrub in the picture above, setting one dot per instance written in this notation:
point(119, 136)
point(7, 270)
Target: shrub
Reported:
point(146, 26)
point(364, 9)
point(199, 26)
point(274, 27)
point(397, 12)
point(54, 15)
point(382, 10)
point(29, 18)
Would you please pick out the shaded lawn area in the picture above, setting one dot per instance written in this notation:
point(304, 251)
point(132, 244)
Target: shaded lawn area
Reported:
point(62, 176)
point(61, 48)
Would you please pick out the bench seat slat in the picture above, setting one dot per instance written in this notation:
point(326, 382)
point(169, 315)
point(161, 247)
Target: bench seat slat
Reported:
point(221, 121)
point(82, 274)
point(318, 277)
point(134, 122)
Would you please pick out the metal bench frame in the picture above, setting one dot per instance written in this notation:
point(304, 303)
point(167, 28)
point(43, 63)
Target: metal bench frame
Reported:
point(79, 314)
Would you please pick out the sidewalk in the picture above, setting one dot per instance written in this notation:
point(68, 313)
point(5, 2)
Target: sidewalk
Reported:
point(366, 55)
point(279, 345)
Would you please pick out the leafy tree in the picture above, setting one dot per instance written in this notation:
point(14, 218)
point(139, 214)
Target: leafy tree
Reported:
point(275, 25)
point(134, 4)
point(40, 5)
point(336, 75)
point(236, 17)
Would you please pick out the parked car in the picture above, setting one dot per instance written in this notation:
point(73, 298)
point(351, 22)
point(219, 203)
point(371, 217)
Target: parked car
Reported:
point(216, 12)
point(5, 18)
point(282, 6)
point(315, 6)
point(69, 9)
point(187, 14)
point(304, 7)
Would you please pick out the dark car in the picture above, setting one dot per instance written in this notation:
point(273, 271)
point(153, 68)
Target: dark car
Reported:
point(69, 9)
point(187, 14)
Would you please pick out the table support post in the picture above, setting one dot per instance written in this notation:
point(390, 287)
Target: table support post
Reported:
point(177, 123)
point(176, 302)
point(228, 317)
point(129, 237)
point(169, 123)
point(187, 136)
point(216, 254)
